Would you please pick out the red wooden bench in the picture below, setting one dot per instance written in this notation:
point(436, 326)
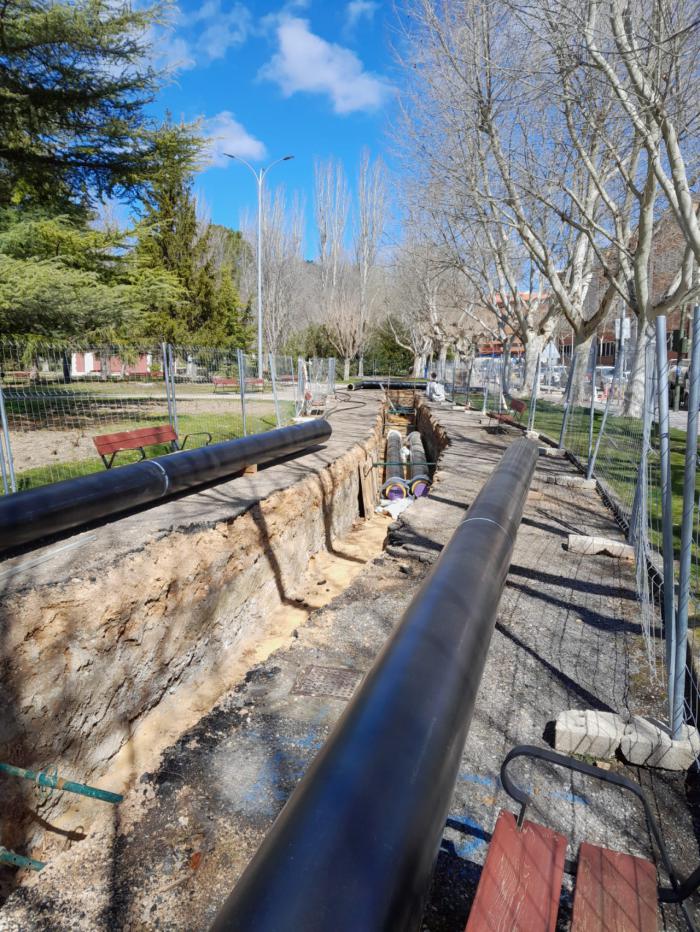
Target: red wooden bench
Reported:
point(224, 383)
point(111, 444)
point(517, 406)
point(520, 885)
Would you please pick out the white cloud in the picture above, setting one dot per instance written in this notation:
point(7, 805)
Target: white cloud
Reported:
point(357, 9)
point(226, 134)
point(306, 62)
point(221, 29)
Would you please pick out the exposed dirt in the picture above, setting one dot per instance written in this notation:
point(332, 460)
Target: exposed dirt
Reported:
point(329, 574)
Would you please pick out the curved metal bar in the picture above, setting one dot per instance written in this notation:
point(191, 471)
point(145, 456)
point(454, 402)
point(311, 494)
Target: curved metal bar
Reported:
point(355, 845)
point(29, 516)
point(678, 891)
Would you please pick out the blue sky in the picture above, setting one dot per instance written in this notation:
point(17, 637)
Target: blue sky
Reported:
point(308, 78)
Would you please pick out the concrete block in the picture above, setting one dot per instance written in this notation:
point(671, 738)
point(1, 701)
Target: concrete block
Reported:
point(572, 482)
point(532, 435)
point(649, 743)
point(553, 452)
point(580, 543)
point(587, 732)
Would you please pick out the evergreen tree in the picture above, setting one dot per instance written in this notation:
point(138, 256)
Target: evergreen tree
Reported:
point(74, 85)
point(171, 238)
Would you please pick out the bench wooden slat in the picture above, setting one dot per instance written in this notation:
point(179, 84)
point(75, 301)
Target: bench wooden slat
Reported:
point(133, 439)
point(614, 892)
point(520, 884)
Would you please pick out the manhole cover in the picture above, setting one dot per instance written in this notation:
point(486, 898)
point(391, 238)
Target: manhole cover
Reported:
point(326, 681)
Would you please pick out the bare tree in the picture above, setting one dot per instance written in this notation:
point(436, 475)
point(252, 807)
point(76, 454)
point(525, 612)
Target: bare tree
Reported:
point(282, 263)
point(339, 288)
point(370, 220)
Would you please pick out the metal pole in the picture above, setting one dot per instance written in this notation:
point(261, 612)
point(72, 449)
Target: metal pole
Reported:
point(53, 782)
point(666, 506)
point(273, 377)
point(639, 503)
point(19, 860)
point(611, 392)
point(166, 379)
point(469, 383)
point(173, 395)
point(567, 399)
point(261, 178)
point(689, 476)
point(355, 846)
point(8, 445)
point(594, 363)
point(533, 399)
point(241, 380)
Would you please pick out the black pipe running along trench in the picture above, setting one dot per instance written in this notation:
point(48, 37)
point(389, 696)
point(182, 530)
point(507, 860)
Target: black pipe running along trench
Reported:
point(28, 516)
point(385, 383)
point(419, 474)
point(355, 845)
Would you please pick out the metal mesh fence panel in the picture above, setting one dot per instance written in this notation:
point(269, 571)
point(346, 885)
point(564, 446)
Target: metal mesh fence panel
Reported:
point(207, 394)
point(58, 398)
point(286, 386)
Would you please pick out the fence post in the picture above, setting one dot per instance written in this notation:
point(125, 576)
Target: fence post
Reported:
point(567, 399)
point(241, 382)
point(273, 379)
point(639, 503)
point(666, 506)
point(469, 383)
point(533, 398)
point(691, 453)
point(166, 379)
point(594, 363)
point(617, 374)
point(171, 367)
point(6, 453)
point(331, 376)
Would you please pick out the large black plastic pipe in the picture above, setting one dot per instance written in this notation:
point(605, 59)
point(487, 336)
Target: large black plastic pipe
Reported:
point(355, 845)
point(28, 516)
point(386, 383)
point(394, 485)
point(419, 479)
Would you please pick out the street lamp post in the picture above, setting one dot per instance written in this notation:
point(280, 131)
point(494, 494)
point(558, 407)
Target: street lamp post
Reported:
point(259, 178)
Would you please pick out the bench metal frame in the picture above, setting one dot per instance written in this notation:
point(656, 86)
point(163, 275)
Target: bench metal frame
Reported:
point(679, 890)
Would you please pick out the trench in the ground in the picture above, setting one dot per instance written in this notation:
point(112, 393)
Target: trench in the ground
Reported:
point(280, 590)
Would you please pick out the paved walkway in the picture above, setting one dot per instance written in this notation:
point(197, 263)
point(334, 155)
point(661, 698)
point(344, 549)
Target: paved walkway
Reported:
point(567, 636)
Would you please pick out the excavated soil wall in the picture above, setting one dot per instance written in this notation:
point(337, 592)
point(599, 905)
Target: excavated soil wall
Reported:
point(85, 660)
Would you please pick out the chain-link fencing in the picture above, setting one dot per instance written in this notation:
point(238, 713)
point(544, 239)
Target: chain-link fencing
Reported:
point(56, 399)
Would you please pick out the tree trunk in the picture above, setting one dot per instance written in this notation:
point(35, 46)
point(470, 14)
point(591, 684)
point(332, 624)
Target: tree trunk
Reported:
point(346, 368)
point(442, 363)
point(534, 344)
point(361, 367)
point(634, 390)
point(582, 354)
point(505, 367)
point(417, 366)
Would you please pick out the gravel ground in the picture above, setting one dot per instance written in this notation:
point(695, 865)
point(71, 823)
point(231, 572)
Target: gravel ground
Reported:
point(567, 636)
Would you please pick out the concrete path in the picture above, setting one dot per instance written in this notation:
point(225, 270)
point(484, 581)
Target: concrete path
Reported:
point(567, 636)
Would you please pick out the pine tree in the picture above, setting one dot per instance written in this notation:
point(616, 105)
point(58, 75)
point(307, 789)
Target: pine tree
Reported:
point(172, 238)
point(74, 86)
